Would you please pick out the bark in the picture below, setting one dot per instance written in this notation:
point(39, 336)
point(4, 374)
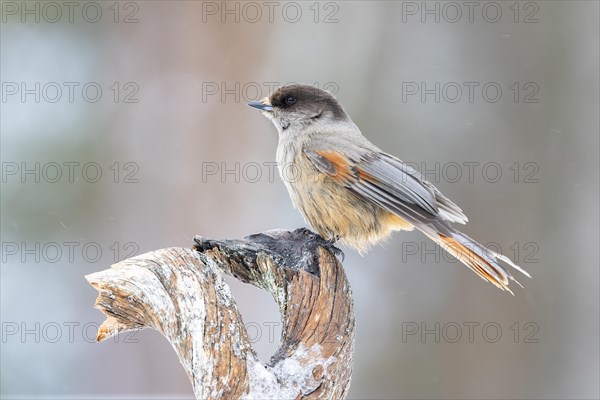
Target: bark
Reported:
point(181, 293)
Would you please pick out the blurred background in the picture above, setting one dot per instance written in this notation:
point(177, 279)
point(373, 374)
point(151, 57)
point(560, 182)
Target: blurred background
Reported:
point(125, 129)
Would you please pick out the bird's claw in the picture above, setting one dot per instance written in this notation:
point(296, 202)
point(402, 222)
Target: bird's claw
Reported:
point(329, 244)
point(336, 251)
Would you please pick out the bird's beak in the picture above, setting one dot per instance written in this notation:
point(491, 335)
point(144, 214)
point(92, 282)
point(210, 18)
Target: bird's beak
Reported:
point(263, 104)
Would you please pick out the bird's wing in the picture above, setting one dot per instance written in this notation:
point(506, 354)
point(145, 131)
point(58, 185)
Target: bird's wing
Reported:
point(389, 183)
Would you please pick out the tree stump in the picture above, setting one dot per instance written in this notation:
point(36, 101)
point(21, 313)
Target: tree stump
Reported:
point(181, 293)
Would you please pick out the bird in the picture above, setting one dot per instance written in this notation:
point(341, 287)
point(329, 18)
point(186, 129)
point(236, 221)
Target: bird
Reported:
point(352, 192)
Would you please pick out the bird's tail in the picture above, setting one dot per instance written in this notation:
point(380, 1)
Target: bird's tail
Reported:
point(483, 261)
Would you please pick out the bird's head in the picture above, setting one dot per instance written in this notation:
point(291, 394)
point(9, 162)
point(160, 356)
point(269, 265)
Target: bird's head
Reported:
point(298, 108)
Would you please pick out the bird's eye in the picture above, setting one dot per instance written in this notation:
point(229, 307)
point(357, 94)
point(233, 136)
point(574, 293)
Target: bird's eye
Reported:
point(290, 100)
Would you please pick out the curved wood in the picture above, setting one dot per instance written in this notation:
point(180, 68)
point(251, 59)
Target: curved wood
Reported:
point(181, 293)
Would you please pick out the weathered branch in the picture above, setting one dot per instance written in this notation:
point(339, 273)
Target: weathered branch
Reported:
point(181, 293)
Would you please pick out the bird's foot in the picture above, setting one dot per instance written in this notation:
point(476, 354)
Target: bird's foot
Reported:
point(336, 251)
point(329, 244)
